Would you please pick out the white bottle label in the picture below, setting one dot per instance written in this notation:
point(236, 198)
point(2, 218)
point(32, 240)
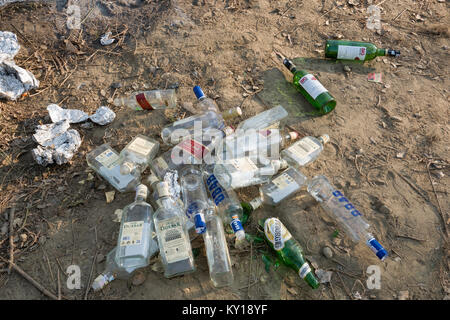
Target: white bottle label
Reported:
point(108, 159)
point(312, 85)
point(244, 164)
point(304, 270)
point(276, 233)
point(141, 146)
point(304, 148)
point(173, 240)
point(351, 53)
point(283, 181)
point(132, 233)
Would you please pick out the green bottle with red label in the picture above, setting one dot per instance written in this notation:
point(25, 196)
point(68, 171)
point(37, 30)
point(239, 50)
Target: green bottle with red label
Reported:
point(356, 50)
point(288, 250)
point(313, 91)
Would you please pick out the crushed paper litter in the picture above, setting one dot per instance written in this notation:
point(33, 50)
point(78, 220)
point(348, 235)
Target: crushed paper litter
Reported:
point(103, 116)
point(105, 40)
point(72, 115)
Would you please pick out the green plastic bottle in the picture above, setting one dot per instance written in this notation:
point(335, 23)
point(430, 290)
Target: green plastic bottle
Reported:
point(356, 50)
point(288, 250)
point(311, 89)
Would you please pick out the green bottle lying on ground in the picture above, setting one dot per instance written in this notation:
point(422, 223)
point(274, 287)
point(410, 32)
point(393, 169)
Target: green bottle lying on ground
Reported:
point(356, 50)
point(288, 250)
point(313, 91)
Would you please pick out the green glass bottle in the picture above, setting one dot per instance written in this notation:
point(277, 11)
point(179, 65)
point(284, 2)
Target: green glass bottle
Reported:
point(311, 89)
point(356, 50)
point(288, 250)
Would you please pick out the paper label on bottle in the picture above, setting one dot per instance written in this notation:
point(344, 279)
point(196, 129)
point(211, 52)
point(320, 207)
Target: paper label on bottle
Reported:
point(283, 181)
point(132, 233)
point(276, 233)
point(194, 148)
point(351, 53)
point(173, 240)
point(108, 158)
point(312, 85)
point(244, 164)
point(304, 270)
point(143, 102)
point(141, 146)
point(304, 148)
point(160, 162)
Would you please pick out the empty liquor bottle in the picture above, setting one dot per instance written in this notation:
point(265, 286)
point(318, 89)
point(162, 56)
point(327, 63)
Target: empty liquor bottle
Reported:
point(246, 171)
point(136, 228)
point(149, 100)
point(356, 50)
point(338, 206)
point(268, 119)
point(264, 142)
point(196, 125)
point(226, 202)
point(313, 91)
point(279, 188)
point(173, 237)
point(137, 154)
point(106, 162)
point(304, 151)
point(217, 253)
point(288, 250)
point(194, 197)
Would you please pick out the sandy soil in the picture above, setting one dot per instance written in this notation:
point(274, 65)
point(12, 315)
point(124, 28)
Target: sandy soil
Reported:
point(226, 47)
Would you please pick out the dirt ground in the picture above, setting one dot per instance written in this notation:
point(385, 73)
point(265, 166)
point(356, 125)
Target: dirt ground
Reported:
point(388, 151)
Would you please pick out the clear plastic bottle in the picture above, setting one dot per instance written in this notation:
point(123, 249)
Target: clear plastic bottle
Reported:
point(137, 154)
point(194, 197)
point(217, 254)
point(106, 162)
point(135, 236)
point(265, 120)
point(148, 100)
point(246, 171)
point(279, 188)
point(336, 204)
point(173, 236)
point(304, 151)
point(226, 202)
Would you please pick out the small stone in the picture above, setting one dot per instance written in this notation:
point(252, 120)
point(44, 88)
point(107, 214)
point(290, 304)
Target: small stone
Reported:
point(347, 69)
point(403, 295)
point(103, 93)
point(400, 155)
point(138, 279)
point(118, 215)
point(327, 252)
point(110, 196)
point(23, 237)
point(384, 209)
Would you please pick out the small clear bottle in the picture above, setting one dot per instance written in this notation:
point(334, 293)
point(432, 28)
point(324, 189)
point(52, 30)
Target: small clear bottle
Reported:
point(246, 171)
point(135, 236)
point(265, 120)
point(173, 236)
point(148, 100)
point(106, 162)
point(137, 154)
point(304, 151)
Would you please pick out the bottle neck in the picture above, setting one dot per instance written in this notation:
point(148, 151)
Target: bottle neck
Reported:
point(166, 202)
point(381, 52)
point(291, 66)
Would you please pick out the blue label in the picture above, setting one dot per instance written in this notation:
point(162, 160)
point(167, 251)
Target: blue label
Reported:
point(192, 209)
point(236, 224)
point(377, 248)
point(349, 206)
point(200, 224)
point(216, 191)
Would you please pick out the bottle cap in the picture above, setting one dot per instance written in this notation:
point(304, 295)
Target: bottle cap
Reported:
point(394, 53)
point(283, 164)
point(141, 191)
point(232, 113)
point(199, 92)
point(377, 248)
point(294, 135)
point(324, 138)
point(162, 188)
point(228, 130)
point(99, 282)
point(126, 168)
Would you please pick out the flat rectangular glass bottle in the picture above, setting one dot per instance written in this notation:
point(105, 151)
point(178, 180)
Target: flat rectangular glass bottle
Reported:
point(138, 153)
point(304, 151)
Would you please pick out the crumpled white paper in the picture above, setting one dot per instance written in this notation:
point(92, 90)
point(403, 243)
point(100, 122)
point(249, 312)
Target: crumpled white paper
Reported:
point(9, 46)
point(105, 40)
point(103, 116)
point(72, 115)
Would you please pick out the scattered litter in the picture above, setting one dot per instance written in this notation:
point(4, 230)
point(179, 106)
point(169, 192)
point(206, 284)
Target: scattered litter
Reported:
point(103, 116)
point(110, 196)
point(324, 276)
point(171, 177)
point(105, 40)
point(118, 215)
point(9, 46)
point(46, 132)
point(374, 77)
point(58, 114)
point(357, 295)
point(400, 155)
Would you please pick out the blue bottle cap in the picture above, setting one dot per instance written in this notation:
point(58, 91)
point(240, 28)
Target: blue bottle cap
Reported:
point(200, 224)
point(198, 92)
point(377, 248)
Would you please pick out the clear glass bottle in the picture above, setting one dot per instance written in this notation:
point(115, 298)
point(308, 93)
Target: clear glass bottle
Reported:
point(106, 162)
point(217, 254)
point(265, 120)
point(136, 228)
point(148, 100)
point(173, 236)
point(304, 151)
point(137, 154)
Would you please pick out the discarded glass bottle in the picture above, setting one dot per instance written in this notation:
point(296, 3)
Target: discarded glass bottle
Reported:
point(313, 91)
point(246, 171)
point(173, 236)
point(226, 202)
point(149, 100)
point(279, 188)
point(106, 162)
point(304, 151)
point(356, 50)
point(288, 250)
point(268, 119)
point(136, 228)
point(217, 254)
point(137, 154)
point(194, 197)
point(336, 204)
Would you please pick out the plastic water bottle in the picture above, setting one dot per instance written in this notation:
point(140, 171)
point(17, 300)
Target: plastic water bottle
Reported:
point(336, 204)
